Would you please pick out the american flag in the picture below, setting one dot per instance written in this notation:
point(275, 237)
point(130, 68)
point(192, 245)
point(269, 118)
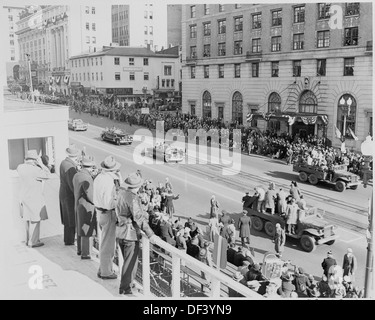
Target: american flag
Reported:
point(352, 133)
point(249, 117)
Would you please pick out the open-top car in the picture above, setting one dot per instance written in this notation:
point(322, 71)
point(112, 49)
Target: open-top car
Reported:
point(166, 151)
point(339, 176)
point(116, 136)
point(77, 125)
point(312, 229)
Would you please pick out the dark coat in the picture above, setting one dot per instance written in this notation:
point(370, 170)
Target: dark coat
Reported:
point(86, 222)
point(166, 232)
point(301, 283)
point(66, 194)
point(169, 203)
point(230, 254)
point(244, 225)
point(225, 219)
point(327, 264)
point(238, 259)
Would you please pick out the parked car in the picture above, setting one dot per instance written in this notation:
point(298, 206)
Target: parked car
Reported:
point(116, 136)
point(341, 178)
point(313, 230)
point(77, 125)
point(166, 151)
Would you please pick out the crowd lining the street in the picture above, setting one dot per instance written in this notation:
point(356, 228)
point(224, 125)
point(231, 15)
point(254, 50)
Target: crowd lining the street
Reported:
point(92, 196)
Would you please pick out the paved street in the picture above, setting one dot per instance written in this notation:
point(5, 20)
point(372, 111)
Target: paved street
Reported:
point(196, 184)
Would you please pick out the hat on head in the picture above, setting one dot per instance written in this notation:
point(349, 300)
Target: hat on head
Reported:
point(247, 192)
point(73, 151)
point(300, 270)
point(349, 250)
point(278, 225)
point(329, 253)
point(110, 164)
point(346, 278)
point(32, 155)
point(88, 161)
point(237, 276)
point(286, 276)
point(256, 266)
point(244, 211)
point(224, 211)
point(254, 284)
point(311, 277)
point(133, 181)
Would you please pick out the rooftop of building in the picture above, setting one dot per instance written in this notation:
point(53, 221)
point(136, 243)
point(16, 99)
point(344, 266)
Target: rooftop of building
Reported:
point(126, 51)
point(12, 104)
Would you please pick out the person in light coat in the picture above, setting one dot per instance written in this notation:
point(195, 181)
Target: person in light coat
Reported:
point(32, 173)
point(214, 206)
point(291, 216)
point(279, 240)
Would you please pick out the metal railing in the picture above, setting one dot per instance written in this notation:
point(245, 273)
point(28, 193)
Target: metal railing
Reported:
point(178, 260)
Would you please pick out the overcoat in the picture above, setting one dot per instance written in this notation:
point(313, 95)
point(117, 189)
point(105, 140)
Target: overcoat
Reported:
point(279, 239)
point(291, 214)
point(214, 207)
point(84, 206)
point(31, 193)
point(270, 199)
point(244, 225)
point(169, 203)
point(66, 195)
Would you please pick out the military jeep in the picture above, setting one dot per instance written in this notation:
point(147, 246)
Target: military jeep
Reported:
point(340, 177)
point(311, 231)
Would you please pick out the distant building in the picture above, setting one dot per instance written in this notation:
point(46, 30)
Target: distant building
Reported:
point(130, 73)
point(281, 66)
point(174, 18)
point(51, 34)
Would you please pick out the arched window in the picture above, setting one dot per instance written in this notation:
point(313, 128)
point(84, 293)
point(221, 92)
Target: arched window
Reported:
point(346, 115)
point(274, 102)
point(206, 101)
point(308, 102)
point(237, 107)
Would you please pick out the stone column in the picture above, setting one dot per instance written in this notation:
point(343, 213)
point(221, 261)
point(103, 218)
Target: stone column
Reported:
point(58, 46)
point(62, 46)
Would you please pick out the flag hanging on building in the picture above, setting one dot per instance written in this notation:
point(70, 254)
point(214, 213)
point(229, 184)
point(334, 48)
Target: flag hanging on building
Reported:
point(58, 79)
point(249, 117)
point(337, 132)
point(352, 133)
point(309, 120)
point(324, 119)
point(291, 120)
point(66, 79)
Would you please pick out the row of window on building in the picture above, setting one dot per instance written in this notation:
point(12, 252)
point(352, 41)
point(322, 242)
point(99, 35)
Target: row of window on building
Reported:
point(323, 41)
point(296, 69)
point(93, 26)
point(121, 15)
point(87, 10)
point(351, 8)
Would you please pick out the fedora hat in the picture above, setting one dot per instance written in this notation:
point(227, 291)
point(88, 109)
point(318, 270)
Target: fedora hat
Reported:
point(133, 181)
point(32, 155)
point(110, 164)
point(88, 161)
point(73, 151)
point(237, 276)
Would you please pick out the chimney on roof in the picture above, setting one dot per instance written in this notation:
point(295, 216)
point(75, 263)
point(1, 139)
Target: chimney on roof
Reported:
point(148, 46)
point(170, 45)
point(94, 49)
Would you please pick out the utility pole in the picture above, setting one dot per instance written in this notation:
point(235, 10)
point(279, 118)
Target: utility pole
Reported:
point(31, 80)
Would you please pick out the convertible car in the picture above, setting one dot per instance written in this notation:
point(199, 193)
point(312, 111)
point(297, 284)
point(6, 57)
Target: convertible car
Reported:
point(116, 136)
point(77, 125)
point(165, 151)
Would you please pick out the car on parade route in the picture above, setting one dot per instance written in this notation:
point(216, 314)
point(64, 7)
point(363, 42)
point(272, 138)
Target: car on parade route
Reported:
point(339, 176)
point(77, 125)
point(116, 136)
point(166, 151)
point(313, 230)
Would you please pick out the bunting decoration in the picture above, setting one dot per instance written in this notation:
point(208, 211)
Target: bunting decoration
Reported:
point(58, 79)
point(291, 120)
point(352, 133)
point(249, 117)
point(309, 120)
point(267, 116)
point(324, 119)
point(337, 133)
point(66, 79)
point(50, 80)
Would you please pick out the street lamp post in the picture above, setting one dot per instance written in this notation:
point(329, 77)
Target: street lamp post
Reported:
point(367, 151)
point(346, 104)
point(31, 80)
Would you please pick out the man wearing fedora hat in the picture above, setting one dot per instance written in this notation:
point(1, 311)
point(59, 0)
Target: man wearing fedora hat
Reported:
point(86, 223)
point(131, 220)
point(106, 186)
point(33, 207)
point(68, 168)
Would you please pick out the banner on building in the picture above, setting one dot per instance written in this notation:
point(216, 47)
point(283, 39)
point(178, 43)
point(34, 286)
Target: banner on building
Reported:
point(324, 119)
point(66, 79)
point(352, 134)
point(249, 117)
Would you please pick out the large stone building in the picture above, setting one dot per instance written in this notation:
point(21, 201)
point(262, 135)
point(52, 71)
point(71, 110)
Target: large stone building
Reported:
point(128, 72)
point(286, 67)
point(51, 34)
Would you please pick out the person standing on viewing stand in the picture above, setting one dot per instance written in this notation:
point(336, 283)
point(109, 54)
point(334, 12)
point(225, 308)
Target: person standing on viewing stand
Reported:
point(68, 168)
point(86, 222)
point(168, 184)
point(224, 220)
point(270, 198)
point(213, 227)
point(260, 193)
point(291, 216)
point(33, 209)
point(106, 186)
point(169, 206)
point(132, 219)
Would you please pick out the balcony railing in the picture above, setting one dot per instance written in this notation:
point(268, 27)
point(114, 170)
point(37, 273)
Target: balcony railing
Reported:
point(251, 56)
point(179, 262)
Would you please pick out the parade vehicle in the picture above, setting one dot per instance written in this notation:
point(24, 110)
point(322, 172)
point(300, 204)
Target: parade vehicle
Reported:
point(166, 151)
point(116, 136)
point(339, 177)
point(77, 125)
point(311, 231)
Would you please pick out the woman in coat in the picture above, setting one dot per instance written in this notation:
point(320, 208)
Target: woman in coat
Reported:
point(281, 202)
point(169, 197)
point(86, 222)
point(213, 227)
point(270, 198)
point(214, 207)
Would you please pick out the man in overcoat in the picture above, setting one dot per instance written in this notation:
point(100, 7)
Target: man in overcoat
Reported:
point(244, 225)
point(349, 264)
point(86, 222)
point(328, 263)
point(68, 168)
point(224, 220)
point(279, 240)
point(33, 207)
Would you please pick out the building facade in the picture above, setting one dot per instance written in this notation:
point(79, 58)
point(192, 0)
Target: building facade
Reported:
point(174, 18)
point(284, 67)
point(51, 34)
point(127, 72)
point(120, 25)
point(13, 14)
